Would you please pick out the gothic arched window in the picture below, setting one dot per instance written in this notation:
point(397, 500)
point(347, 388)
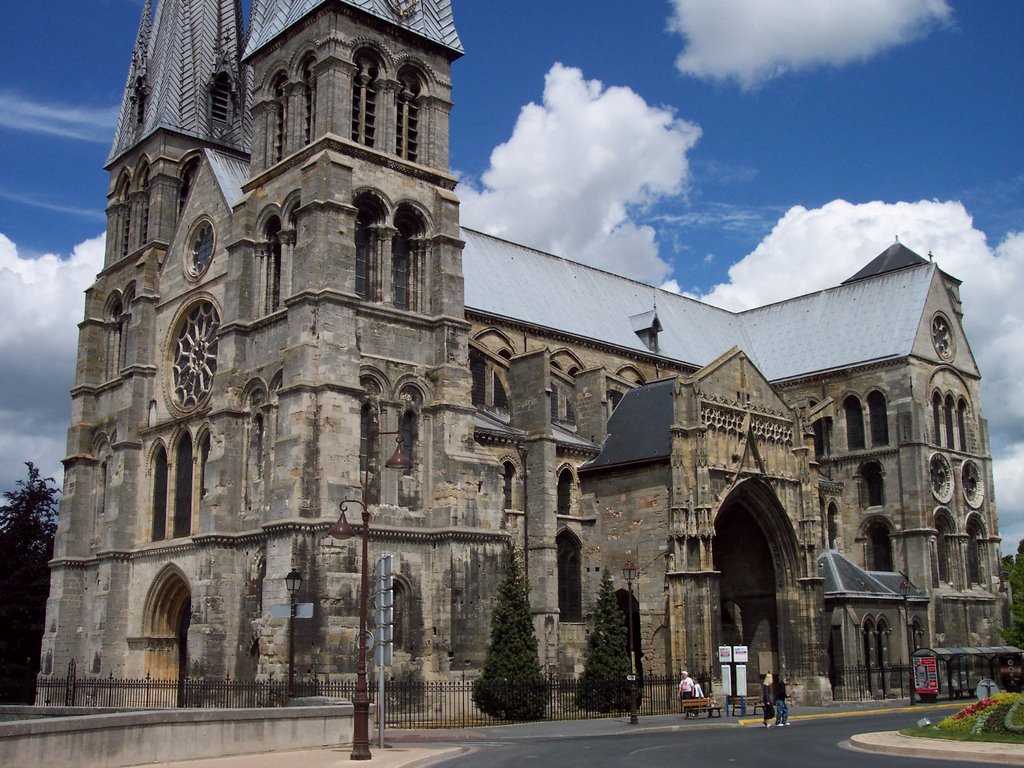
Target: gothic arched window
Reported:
point(879, 548)
point(961, 423)
point(879, 419)
point(854, 423)
point(570, 598)
point(272, 234)
point(115, 337)
point(409, 429)
point(937, 417)
point(308, 100)
point(204, 457)
point(368, 219)
point(280, 117)
point(508, 481)
point(183, 487)
point(407, 123)
point(159, 529)
point(220, 103)
point(950, 410)
point(943, 531)
point(833, 526)
point(364, 99)
point(564, 492)
point(974, 552)
point(871, 474)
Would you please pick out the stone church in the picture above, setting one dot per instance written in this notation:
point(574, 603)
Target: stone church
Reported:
point(288, 293)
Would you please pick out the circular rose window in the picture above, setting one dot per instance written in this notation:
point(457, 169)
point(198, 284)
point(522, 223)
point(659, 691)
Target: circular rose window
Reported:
point(200, 248)
point(973, 486)
point(941, 478)
point(942, 337)
point(195, 355)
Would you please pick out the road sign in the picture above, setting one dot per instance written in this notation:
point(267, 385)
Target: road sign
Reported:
point(284, 610)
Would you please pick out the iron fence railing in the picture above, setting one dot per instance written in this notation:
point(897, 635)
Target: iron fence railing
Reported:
point(410, 702)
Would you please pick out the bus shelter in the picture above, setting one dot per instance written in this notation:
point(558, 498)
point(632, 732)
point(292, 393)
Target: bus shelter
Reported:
point(954, 673)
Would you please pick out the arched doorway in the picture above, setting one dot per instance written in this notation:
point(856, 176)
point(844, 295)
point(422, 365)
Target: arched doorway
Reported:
point(753, 550)
point(168, 614)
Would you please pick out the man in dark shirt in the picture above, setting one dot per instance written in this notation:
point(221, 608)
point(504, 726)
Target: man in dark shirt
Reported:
point(781, 706)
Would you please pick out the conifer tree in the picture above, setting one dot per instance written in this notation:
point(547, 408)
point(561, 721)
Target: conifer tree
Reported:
point(1014, 567)
point(511, 684)
point(603, 684)
point(28, 522)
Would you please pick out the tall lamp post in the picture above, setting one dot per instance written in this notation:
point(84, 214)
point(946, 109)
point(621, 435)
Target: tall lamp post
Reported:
point(909, 629)
point(629, 574)
point(293, 581)
point(342, 530)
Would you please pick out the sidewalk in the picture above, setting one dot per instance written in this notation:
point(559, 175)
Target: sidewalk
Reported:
point(419, 748)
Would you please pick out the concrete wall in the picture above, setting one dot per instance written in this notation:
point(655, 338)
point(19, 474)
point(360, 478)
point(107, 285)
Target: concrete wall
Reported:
point(135, 738)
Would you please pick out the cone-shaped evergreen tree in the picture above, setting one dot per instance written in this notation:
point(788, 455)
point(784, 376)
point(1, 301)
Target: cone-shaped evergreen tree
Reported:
point(511, 684)
point(603, 684)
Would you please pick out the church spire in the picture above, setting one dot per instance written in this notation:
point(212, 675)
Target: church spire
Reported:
point(185, 76)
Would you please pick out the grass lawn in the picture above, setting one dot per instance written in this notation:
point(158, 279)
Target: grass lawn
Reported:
point(930, 732)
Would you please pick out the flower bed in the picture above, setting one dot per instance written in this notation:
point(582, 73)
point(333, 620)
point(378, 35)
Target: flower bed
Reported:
point(1002, 713)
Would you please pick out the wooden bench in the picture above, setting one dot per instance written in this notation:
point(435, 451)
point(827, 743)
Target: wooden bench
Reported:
point(754, 706)
point(693, 707)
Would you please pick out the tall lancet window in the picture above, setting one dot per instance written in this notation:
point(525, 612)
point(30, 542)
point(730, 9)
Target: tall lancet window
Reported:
point(308, 101)
point(407, 129)
point(273, 266)
point(220, 103)
point(364, 99)
point(280, 114)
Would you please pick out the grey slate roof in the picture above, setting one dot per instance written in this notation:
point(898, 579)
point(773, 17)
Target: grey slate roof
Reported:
point(845, 579)
point(230, 172)
point(431, 19)
point(869, 320)
point(896, 256)
point(638, 429)
point(175, 57)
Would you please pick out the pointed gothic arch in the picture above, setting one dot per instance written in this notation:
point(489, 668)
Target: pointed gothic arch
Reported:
point(167, 615)
point(756, 555)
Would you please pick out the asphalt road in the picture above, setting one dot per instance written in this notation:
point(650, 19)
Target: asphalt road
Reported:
point(813, 743)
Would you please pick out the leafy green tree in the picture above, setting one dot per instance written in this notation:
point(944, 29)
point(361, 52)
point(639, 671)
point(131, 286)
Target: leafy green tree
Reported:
point(603, 684)
point(28, 522)
point(1014, 634)
point(511, 684)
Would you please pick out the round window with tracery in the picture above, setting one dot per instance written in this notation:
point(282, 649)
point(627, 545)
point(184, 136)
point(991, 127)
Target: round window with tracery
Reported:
point(973, 486)
point(195, 355)
point(942, 338)
point(941, 478)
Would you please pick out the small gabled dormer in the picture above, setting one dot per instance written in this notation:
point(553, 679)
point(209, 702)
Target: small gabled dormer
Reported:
point(647, 326)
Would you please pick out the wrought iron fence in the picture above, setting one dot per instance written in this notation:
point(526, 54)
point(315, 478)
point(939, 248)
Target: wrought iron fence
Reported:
point(864, 683)
point(408, 702)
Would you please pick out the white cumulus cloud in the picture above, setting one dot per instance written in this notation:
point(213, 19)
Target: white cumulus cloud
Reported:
point(809, 250)
point(41, 304)
point(576, 169)
point(752, 41)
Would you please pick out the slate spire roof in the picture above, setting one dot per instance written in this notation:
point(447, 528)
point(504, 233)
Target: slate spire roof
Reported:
point(897, 256)
point(431, 19)
point(177, 55)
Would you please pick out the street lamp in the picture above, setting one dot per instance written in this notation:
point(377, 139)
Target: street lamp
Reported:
point(905, 591)
point(342, 530)
point(629, 574)
point(293, 581)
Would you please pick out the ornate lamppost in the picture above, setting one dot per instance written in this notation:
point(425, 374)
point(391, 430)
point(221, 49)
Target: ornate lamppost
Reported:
point(629, 574)
point(293, 581)
point(343, 530)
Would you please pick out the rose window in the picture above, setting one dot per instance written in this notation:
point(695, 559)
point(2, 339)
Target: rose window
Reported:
point(973, 487)
point(941, 478)
point(942, 337)
point(195, 355)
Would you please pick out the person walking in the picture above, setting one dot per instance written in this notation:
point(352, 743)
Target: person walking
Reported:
point(687, 688)
point(781, 703)
point(767, 698)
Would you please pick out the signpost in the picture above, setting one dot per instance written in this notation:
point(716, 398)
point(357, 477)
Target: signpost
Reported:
point(384, 618)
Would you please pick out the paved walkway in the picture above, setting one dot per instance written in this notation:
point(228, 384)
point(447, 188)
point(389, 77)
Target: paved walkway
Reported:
point(420, 748)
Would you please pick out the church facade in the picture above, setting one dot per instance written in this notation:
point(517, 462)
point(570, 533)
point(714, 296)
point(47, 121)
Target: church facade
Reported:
point(288, 292)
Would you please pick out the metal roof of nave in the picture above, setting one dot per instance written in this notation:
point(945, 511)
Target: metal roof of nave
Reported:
point(872, 319)
point(431, 19)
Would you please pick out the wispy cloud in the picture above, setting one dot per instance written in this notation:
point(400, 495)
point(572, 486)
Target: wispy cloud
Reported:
point(96, 214)
point(92, 124)
point(757, 220)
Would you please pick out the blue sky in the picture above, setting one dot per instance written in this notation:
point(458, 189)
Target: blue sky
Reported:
point(773, 149)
